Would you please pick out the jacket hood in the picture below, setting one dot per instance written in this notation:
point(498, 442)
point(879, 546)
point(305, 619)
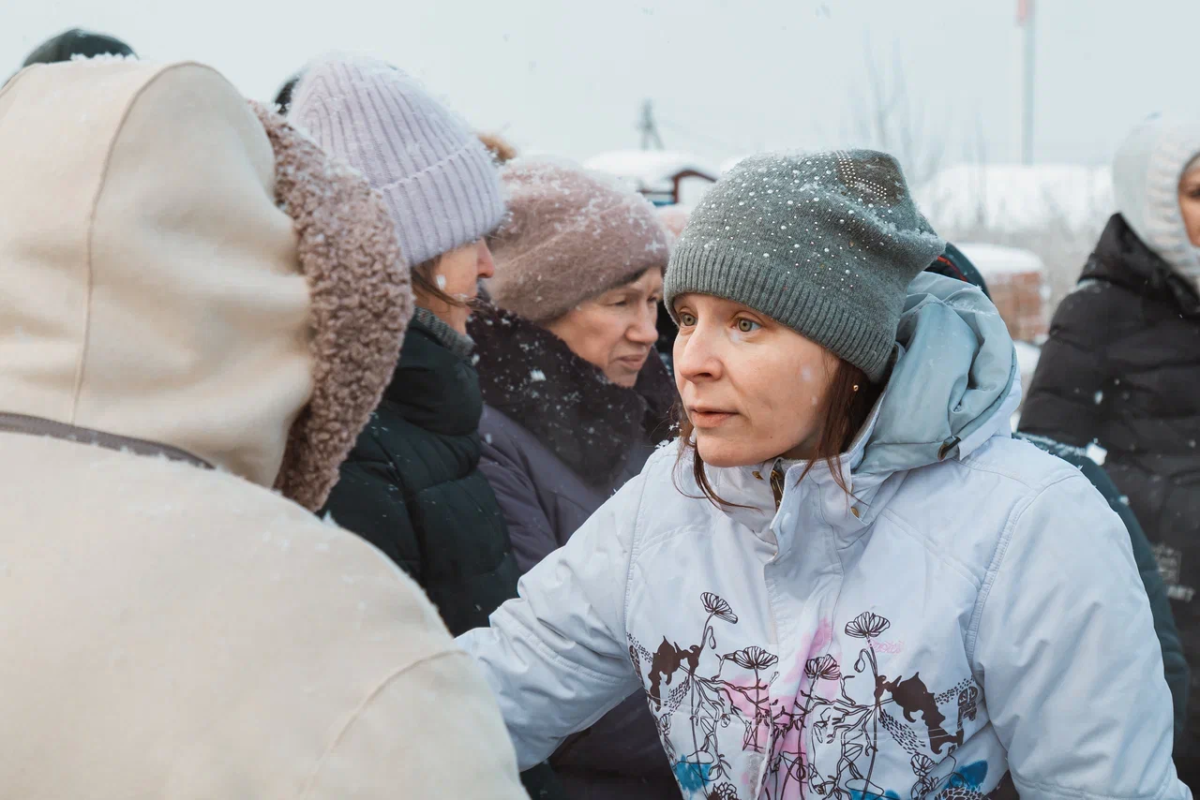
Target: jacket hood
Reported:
point(1146, 173)
point(1123, 259)
point(183, 269)
point(955, 382)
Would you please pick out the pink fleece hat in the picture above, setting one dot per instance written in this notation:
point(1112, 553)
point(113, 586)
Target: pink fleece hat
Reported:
point(570, 235)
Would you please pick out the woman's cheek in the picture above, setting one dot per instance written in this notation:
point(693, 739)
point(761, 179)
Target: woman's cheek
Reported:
point(737, 336)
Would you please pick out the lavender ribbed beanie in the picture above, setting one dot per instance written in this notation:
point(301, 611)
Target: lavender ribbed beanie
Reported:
point(440, 183)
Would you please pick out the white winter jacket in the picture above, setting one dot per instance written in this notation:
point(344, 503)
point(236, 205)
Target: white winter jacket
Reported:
point(970, 624)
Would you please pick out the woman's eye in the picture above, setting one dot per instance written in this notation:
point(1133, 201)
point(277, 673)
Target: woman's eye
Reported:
point(687, 320)
point(747, 325)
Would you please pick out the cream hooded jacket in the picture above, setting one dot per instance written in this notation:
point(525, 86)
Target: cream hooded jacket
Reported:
point(187, 282)
point(971, 625)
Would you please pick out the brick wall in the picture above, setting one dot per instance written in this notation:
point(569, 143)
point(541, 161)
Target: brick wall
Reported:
point(1020, 299)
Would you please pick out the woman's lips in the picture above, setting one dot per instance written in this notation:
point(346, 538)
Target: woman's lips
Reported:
point(633, 362)
point(709, 418)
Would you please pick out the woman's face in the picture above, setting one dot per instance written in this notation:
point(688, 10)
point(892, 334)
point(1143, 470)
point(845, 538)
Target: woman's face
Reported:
point(753, 388)
point(616, 330)
point(458, 273)
point(1189, 204)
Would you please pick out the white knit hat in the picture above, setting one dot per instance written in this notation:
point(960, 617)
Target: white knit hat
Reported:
point(440, 183)
point(1146, 173)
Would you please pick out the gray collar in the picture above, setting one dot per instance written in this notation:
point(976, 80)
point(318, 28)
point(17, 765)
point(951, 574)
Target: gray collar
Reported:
point(458, 343)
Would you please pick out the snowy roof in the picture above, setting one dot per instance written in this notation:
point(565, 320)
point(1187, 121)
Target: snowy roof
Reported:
point(1017, 197)
point(648, 170)
point(993, 260)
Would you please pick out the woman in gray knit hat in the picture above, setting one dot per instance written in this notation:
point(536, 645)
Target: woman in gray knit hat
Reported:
point(848, 580)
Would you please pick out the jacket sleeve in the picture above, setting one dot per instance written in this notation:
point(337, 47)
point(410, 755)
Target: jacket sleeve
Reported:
point(1064, 647)
point(626, 737)
point(458, 749)
point(528, 526)
point(369, 499)
point(1066, 398)
point(1174, 664)
point(557, 657)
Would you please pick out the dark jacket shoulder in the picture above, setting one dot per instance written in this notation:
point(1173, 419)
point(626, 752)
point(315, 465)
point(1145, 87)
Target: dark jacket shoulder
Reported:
point(1175, 664)
point(412, 486)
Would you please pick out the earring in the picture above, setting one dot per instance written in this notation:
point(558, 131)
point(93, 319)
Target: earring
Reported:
point(856, 387)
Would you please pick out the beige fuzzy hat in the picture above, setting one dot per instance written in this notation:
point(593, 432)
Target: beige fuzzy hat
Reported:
point(570, 236)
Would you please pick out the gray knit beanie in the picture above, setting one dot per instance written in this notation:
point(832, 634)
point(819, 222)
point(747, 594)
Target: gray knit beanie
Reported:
point(825, 243)
point(439, 181)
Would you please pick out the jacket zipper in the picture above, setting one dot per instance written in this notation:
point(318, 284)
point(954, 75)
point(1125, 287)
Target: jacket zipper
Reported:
point(777, 484)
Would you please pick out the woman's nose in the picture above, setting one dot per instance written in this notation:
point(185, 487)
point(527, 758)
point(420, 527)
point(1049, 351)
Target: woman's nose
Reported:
point(487, 267)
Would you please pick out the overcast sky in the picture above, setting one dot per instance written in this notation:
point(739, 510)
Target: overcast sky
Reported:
point(726, 76)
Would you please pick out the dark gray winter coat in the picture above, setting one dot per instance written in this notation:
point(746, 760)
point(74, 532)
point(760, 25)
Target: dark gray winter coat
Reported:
point(558, 440)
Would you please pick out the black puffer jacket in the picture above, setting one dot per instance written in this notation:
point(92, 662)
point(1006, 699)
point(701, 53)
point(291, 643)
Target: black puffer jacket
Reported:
point(412, 485)
point(1122, 368)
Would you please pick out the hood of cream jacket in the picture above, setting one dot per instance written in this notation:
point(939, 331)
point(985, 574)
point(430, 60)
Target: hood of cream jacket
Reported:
point(185, 270)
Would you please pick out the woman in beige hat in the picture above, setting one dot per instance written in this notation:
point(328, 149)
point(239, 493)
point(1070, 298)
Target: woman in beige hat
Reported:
point(577, 398)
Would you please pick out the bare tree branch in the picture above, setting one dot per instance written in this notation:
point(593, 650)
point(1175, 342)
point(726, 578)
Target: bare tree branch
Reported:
point(887, 118)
